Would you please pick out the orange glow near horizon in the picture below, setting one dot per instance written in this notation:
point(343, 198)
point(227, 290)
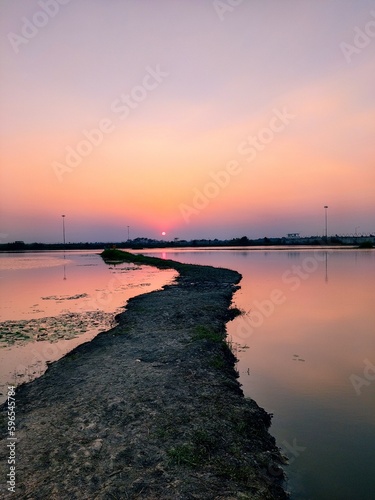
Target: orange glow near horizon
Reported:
point(166, 157)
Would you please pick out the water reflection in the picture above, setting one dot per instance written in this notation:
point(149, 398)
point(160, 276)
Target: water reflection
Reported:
point(64, 275)
point(303, 350)
point(44, 314)
point(309, 326)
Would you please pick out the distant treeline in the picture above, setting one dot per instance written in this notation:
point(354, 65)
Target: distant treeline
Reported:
point(140, 243)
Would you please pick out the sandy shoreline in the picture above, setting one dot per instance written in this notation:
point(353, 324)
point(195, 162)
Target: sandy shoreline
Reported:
point(150, 409)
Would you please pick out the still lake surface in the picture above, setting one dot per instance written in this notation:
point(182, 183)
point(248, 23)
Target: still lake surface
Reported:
point(51, 302)
point(305, 343)
point(306, 349)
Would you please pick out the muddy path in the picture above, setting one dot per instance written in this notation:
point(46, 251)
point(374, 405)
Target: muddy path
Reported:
point(150, 409)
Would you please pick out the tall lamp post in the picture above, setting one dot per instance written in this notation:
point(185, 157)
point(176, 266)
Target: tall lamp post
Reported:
point(63, 228)
point(128, 233)
point(326, 220)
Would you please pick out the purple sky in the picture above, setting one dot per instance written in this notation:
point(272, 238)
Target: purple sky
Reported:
point(193, 117)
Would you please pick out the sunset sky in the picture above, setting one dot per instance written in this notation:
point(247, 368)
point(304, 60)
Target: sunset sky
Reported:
point(200, 118)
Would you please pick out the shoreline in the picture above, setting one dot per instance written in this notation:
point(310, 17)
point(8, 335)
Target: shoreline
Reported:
point(149, 409)
point(50, 319)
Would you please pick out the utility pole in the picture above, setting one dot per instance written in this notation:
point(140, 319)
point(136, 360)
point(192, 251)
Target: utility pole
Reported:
point(326, 220)
point(63, 228)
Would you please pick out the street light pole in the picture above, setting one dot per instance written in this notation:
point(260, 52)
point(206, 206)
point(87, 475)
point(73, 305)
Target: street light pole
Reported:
point(63, 225)
point(326, 219)
point(128, 233)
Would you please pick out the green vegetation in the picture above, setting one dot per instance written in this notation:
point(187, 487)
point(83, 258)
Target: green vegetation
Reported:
point(218, 362)
point(236, 471)
point(113, 255)
point(202, 332)
point(184, 454)
point(198, 450)
point(193, 272)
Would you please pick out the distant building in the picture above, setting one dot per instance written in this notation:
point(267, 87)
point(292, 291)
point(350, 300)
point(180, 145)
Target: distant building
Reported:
point(293, 235)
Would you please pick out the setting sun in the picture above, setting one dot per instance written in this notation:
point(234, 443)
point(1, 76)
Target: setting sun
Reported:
point(245, 128)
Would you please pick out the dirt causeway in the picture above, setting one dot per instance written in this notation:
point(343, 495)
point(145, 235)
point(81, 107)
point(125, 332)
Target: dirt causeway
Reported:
point(151, 409)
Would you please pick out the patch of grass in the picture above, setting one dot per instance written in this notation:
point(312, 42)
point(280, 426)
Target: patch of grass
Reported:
point(169, 425)
point(235, 470)
point(230, 464)
point(116, 256)
point(21, 335)
point(162, 433)
point(217, 362)
point(202, 332)
point(193, 271)
point(204, 443)
point(184, 455)
point(196, 452)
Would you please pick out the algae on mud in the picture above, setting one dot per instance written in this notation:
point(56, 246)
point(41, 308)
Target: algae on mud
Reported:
point(150, 409)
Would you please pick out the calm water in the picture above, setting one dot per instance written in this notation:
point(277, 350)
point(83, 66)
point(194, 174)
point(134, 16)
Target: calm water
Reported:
point(50, 302)
point(306, 343)
point(306, 349)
